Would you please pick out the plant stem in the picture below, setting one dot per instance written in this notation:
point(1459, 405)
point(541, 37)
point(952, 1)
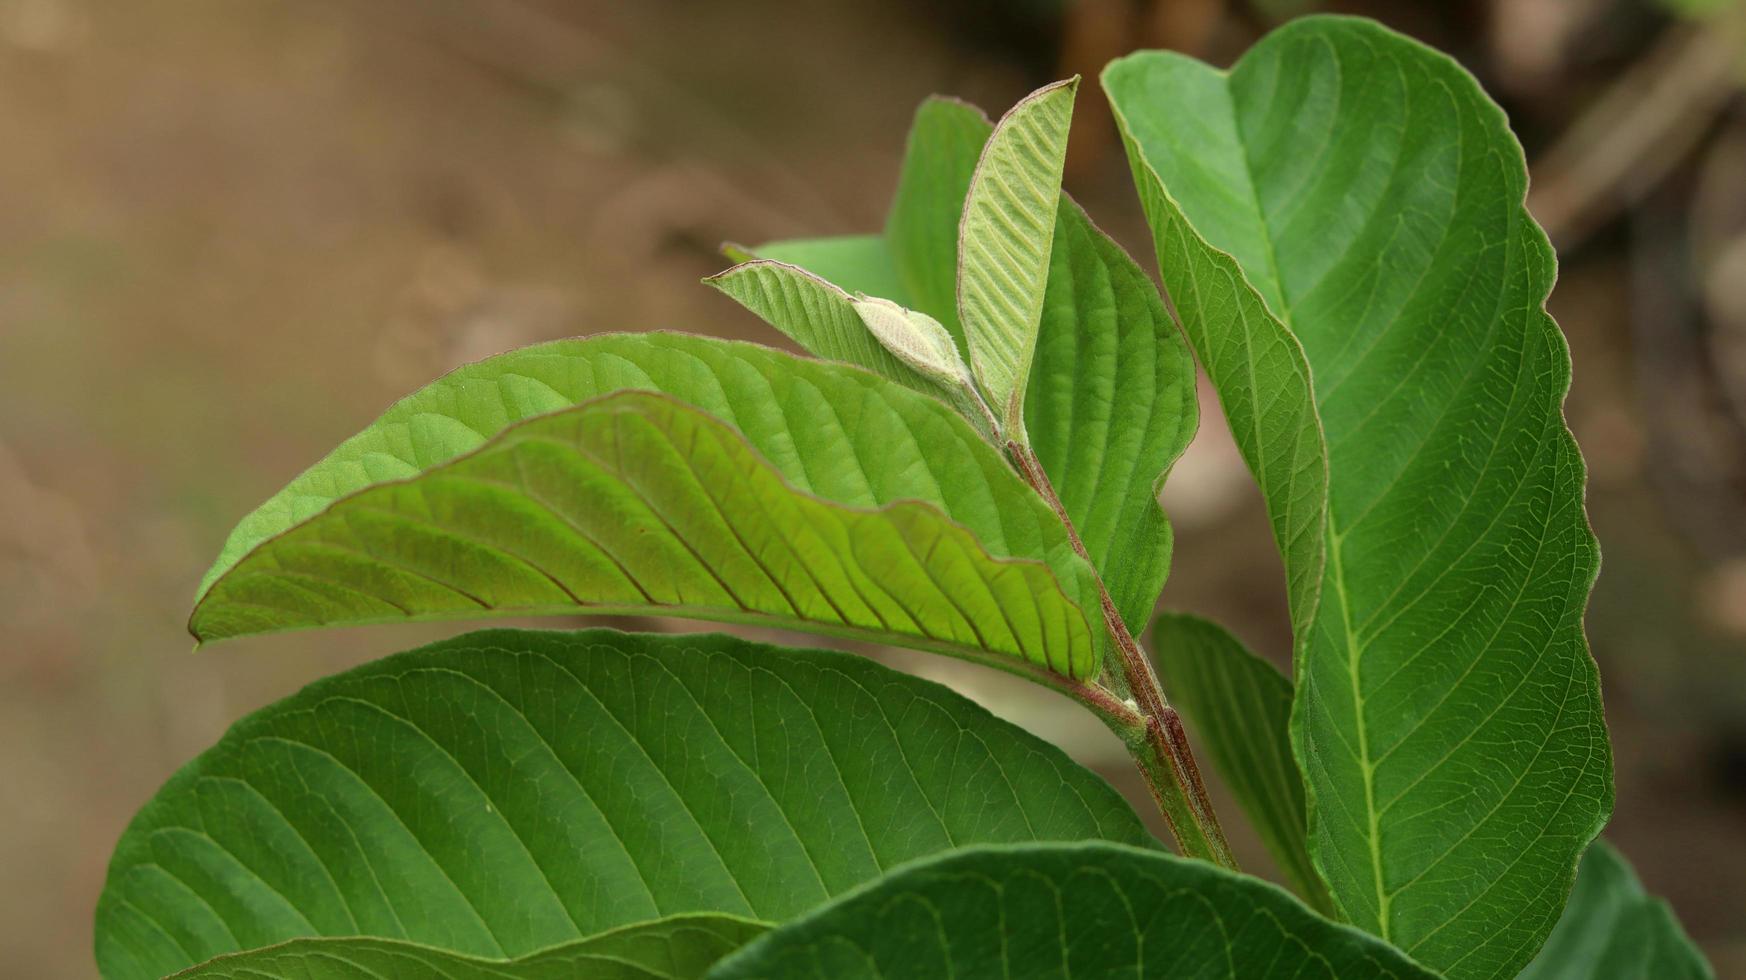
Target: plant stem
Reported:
point(1150, 727)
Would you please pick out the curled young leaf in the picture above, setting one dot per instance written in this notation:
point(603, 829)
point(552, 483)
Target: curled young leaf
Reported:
point(821, 316)
point(915, 338)
point(1004, 242)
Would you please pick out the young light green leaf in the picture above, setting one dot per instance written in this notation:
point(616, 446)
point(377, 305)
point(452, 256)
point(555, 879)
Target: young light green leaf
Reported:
point(507, 791)
point(818, 315)
point(1613, 930)
point(682, 947)
point(821, 317)
point(1239, 706)
point(914, 338)
point(1348, 202)
point(1111, 400)
point(638, 503)
point(1065, 910)
point(1004, 242)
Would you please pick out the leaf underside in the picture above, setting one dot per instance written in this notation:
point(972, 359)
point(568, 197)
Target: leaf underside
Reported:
point(809, 513)
point(677, 948)
point(507, 791)
point(820, 316)
point(1066, 910)
point(1004, 242)
point(1240, 709)
point(1347, 203)
point(1110, 403)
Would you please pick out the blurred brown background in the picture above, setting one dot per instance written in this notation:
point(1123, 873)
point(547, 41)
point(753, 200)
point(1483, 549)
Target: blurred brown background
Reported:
point(232, 231)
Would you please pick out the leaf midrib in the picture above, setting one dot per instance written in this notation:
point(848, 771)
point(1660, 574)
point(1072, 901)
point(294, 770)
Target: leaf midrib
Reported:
point(1354, 647)
point(1334, 537)
point(1366, 765)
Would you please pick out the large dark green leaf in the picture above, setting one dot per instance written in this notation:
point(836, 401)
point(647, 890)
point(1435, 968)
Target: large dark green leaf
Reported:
point(1240, 708)
point(1613, 930)
point(1058, 911)
point(837, 503)
point(679, 948)
point(1110, 403)
point(504, 792)
point(1339, 221)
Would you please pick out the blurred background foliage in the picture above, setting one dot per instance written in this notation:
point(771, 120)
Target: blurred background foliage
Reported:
point(232, 231)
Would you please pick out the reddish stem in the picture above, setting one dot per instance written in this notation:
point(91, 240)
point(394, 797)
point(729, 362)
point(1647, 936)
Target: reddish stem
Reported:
point(1151, 727)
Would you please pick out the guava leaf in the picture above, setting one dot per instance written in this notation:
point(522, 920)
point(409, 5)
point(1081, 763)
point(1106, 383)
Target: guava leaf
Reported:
point(1111, 407)
point(1339, 221)
point(820, 316)
point(503, 792)
point(1239, 706)
point(1613, 930)
point(1065, 910)
point(914, 338)
point(1004, 242)
point(682, 947)
point(840, 504)
point(1111, 401)
point(816, 314)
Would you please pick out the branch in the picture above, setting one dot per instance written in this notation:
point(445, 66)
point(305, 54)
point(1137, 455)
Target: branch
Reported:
point(1157, 742)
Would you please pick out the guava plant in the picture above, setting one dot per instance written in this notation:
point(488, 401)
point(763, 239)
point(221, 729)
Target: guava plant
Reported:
point(969, 466)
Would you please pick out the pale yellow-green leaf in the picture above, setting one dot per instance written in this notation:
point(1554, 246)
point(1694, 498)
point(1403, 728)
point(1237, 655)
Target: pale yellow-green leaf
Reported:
point(915, 338)
point(1004, 242)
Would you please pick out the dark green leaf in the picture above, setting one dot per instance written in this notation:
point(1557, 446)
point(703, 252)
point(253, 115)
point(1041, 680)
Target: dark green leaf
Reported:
point(507, 791)
point(1111, 406)
point(679, 948)
point(1240, 707)
point(843, 504)
point(1347, 204)
point(1067, 910)
point(1612, 930)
